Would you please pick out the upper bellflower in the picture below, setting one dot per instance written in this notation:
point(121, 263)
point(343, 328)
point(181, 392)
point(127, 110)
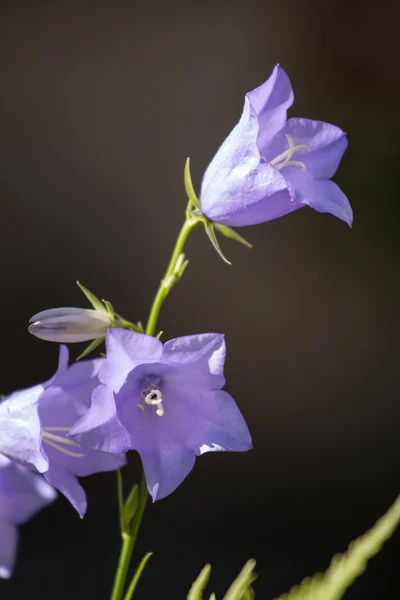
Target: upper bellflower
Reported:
point(34, 424)
point(22, 494)
point(166, 402)
point(270, 166)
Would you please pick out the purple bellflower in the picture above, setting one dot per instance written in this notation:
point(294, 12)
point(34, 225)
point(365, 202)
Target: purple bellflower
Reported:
point(22, 494)
point(270, 166)
point(34, 424)
point(166, 402)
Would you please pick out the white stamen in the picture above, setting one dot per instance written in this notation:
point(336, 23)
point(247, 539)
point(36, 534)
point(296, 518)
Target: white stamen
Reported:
point(57, 441)
point(153, 397)
point(283, 160)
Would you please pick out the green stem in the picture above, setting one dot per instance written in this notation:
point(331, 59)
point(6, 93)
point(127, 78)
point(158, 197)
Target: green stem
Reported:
point(166, 283)
point(129, 536)
point(128, 543)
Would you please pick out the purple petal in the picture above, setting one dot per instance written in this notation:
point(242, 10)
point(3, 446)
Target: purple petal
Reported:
point(8, 549)
point(100, 428)
point(20, 428)
point(270, 102)
point(22, 493)
point(204, 353)
point(239, 184)
point(324, 196)
point(166, 467)
point(68, 485)
point(125, 350)
point(327, 144)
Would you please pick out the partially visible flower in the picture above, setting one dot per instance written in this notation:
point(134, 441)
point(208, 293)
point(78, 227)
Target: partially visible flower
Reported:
point(268, 166)
point(166, 402)
point(34, 424)
point(22, 494)
point(70, 324)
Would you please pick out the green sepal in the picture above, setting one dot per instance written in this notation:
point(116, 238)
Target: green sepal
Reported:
point(94, 301)
point(129, 507)
point(232, 234)
point(189, 185)
point(121, 322)
point(159, 335)
point(110, 311)
point(198, 586)
point(92, 346)
point(345, 568)
point(241, 587)
point(209, 227)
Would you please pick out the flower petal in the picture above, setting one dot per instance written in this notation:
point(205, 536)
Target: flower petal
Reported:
point(270, 102)
point(166, 467)
point(8, 549)
point(100, 428)
point(22, 493)
point(326, 197)
point(20, 428)
point(327, 144)
point(205, 353)
point(238, 184)
point(125, 350)
point(68, 485)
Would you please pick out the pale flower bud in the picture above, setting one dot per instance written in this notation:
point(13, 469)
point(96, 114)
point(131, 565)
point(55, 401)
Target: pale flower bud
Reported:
point(66, 325)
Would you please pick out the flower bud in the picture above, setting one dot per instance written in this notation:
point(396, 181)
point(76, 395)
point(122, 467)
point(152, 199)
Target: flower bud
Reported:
point(65, 325)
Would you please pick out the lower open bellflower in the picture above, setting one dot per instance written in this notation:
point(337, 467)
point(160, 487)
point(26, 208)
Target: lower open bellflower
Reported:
point(34, 424)
point(165, 401)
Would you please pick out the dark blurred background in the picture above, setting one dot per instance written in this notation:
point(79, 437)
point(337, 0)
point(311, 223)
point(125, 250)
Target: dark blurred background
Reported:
point(100, 105)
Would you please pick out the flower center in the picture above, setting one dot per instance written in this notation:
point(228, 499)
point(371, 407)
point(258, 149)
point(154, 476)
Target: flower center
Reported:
point(283, 160)
point(152, 396)
point(58, 441)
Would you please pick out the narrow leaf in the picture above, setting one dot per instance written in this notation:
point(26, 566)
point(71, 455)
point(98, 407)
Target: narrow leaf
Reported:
point(137, 575)
point(94, 301)
point(232, 234)
point(197, 589)
point(213, 239)
point(189, 185)
point(92, 346)
point(345, 568)
point(242, 582)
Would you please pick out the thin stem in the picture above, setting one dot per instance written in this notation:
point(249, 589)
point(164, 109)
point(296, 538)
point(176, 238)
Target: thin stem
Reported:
point(129, 536)
point(128, 543)
point(165, 284)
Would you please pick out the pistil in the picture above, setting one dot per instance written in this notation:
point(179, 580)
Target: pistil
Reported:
point(283, 160)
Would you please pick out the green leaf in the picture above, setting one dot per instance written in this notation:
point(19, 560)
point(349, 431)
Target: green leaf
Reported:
point(137, 575)
point(232, 234)
point(213, 239)
point(239, 589)
point(94, 301)
point(189, 185)
point(345, 568)
point(197, 589)
point(92, 346)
